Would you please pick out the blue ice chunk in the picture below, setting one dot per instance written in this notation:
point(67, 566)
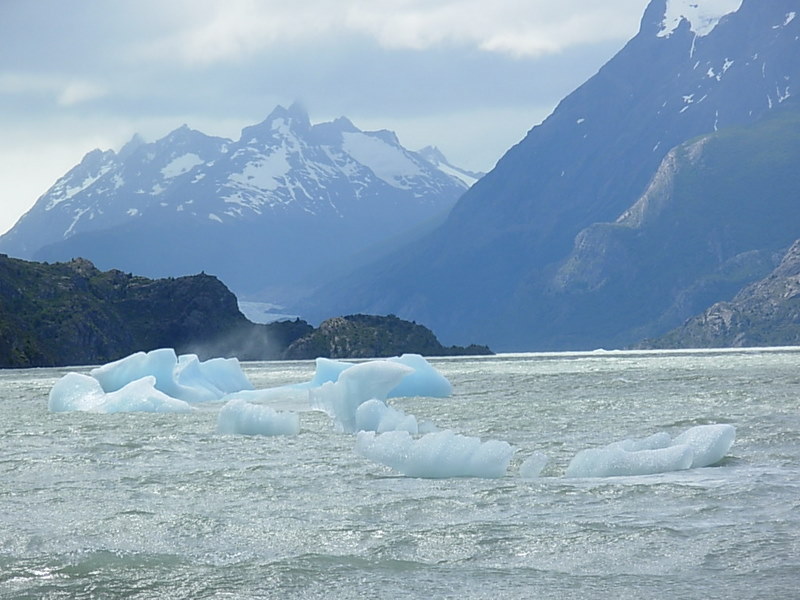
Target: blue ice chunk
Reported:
point(374, 415)
point(361, 382)
point(240, 417)
point(422, 380)
point(710, 443)
point(441, 454)
point(78, 392)
point(700, 446)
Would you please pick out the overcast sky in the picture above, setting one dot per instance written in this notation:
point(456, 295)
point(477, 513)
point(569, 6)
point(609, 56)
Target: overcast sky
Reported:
point(469, 76)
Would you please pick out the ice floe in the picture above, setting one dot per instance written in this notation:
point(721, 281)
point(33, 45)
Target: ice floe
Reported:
point(700, 446)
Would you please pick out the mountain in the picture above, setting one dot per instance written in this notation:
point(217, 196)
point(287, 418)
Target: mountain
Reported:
point(275, 209)
point(72, 313)
point(765, 313)
point(368, 336)
point(510, 264)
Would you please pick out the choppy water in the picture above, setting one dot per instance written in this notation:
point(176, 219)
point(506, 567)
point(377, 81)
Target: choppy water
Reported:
point(158, 506)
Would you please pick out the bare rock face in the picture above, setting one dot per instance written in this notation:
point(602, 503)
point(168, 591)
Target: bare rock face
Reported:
point(765, 313)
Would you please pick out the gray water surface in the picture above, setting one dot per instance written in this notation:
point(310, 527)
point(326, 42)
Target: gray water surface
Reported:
point(159, 506)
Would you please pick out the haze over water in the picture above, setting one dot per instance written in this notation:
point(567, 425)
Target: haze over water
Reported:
point(159, 506)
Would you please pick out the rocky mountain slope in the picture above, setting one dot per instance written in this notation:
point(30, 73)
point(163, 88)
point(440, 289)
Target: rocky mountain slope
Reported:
point(765, 313)
point(72, 313)
point(366, 336)
point(276, 208)
point(507, 265)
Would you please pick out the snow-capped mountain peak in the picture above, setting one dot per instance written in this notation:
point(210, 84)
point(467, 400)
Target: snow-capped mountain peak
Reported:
point(283, 178)
point(702, 15)
point(435, 156)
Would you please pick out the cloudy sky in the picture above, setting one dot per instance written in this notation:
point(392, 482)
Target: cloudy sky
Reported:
point(469, 76)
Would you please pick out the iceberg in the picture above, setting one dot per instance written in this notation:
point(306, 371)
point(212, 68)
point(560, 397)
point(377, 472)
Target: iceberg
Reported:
point(327, 370)
point(437, 455)
point(184, 377)
point(374, 415)
point(531, 467)
point(225, 374)
point(155, 381)
point(422, 380)
point(700, 446)
point(371, 380)
point(709, 443)
point(241, 417)
point(78, 392)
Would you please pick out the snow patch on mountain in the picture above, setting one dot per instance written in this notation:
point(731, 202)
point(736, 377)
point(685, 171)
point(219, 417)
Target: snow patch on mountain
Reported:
point(790, 16)
point(388, 162)
point(434, 156)
point(703, 15)
point(263, 174)
point(62, 190)
point(181, 164)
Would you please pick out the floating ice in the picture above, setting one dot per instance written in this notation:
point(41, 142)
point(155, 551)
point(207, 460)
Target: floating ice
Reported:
point(327, 370)
point(240, 417)
point(225, 374)
point(78, 392)
point(374, 415)
point(709, 443)
point(425, 380)
point(184, 377)
point(156, 381)
point(287, 397)
point(436, 455)
point(532, 466)
point(361, 382)
point(700, 446)
point(614, 461)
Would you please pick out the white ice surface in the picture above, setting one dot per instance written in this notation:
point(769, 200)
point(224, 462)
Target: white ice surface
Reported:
point(240, 417)
point(184, 377)
point(371, 380)
point(374, 415)
point(709, 443)
point(700, 446)
point(425, 380)
point(532, 466)
point(78, 392)
point(156, 381)
point(436, 455)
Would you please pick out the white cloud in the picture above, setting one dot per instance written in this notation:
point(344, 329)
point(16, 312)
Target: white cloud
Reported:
point(221, 32)
point(523, 28)
point(64, 92)
point(75, 92)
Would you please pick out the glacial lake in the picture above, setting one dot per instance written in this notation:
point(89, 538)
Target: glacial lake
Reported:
point(159, 506)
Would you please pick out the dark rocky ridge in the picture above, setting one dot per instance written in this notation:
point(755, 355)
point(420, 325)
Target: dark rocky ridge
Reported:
point(367, 336)
point(72, 313)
